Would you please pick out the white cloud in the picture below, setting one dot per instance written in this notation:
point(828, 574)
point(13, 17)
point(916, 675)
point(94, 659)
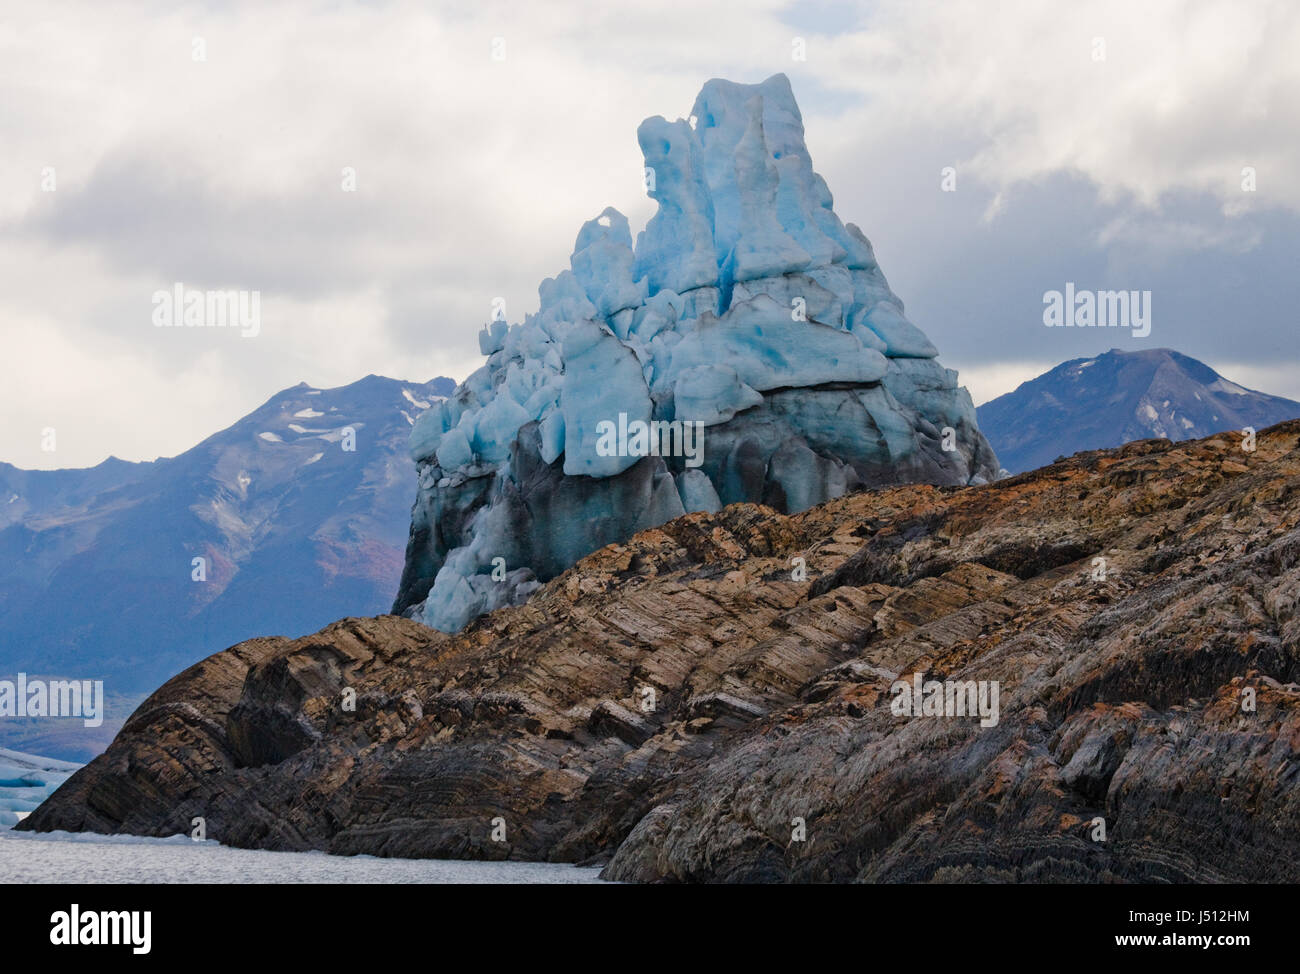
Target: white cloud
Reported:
point(474, 175)
point(1186, 96)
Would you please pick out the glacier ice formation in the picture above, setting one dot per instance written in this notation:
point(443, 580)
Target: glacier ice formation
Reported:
point(26, 780)
point(746, 306)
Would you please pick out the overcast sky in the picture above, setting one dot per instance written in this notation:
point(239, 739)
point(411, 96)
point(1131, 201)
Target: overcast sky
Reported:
point(473, 175)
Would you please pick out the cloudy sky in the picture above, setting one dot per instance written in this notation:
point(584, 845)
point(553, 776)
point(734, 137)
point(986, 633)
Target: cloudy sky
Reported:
point(147, 144)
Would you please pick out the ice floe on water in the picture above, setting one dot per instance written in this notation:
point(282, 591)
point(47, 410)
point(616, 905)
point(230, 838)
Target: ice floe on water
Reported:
point(26, 780)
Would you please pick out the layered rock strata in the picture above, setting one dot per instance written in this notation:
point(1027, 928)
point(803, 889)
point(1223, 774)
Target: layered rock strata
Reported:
point(1138, 610)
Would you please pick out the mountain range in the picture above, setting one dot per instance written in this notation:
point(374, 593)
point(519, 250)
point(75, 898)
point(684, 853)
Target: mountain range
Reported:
point(1118, 633)
point(97, 572)
point(1117, 397)
point(298, 512)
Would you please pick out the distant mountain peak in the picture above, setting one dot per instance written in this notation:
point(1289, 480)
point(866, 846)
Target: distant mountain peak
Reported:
point(1119, 396)
point(97, 565)
point(745, 307)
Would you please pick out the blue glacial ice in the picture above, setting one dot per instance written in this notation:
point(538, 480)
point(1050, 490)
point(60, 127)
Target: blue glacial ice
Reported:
point(745, 306)
point(26, 780)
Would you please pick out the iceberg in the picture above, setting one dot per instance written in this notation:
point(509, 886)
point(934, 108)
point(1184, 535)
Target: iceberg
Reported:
point(26, 780)
point(745, 307)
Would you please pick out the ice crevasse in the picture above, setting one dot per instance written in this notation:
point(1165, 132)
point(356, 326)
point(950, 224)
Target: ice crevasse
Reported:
point(746, 309)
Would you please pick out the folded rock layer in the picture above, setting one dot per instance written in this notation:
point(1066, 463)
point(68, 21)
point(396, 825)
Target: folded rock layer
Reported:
point(746, 310)
point(682, 705)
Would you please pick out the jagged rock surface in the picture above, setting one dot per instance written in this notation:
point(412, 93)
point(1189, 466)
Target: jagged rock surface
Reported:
point(747, 307)
point(1120, 699)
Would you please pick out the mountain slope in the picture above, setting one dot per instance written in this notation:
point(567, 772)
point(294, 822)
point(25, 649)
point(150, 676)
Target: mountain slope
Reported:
point(1158, 699)
point(97, 573)
point(1091, 404)
point(27, 494)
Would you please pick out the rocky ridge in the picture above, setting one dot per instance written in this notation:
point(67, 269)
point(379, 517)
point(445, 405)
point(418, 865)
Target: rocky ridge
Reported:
point(1137, 608)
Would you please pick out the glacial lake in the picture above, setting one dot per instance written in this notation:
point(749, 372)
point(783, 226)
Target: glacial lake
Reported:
point(67, 857)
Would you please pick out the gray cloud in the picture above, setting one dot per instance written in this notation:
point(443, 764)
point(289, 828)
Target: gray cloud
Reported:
point(473, 176)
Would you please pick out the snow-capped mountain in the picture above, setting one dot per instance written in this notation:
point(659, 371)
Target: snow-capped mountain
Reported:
point(128, 572)
point(1093, 403)
point(748, 348)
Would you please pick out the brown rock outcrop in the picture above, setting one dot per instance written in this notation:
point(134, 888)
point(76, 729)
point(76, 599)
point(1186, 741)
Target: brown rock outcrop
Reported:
point(681, 706)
